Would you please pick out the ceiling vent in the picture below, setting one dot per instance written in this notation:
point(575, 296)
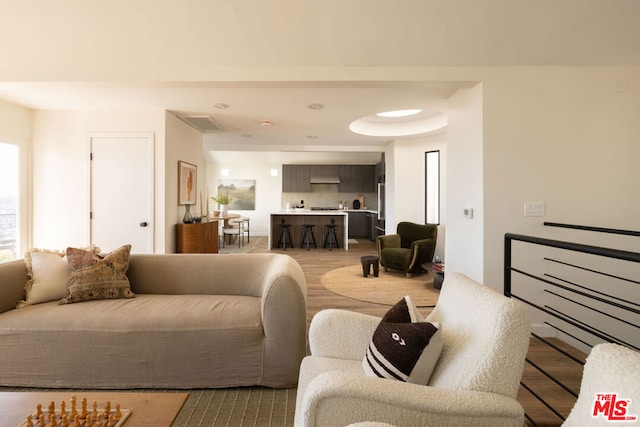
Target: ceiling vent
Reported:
point(204, 124)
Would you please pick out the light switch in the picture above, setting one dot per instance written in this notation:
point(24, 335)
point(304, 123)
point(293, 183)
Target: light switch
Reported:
point(468, 213)
point(533, 208)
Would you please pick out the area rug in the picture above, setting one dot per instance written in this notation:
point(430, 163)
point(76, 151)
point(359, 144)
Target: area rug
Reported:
point(387, 289)
point(244, 406)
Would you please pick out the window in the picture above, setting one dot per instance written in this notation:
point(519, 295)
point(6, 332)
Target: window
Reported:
point(432, 187)
point(8, 201)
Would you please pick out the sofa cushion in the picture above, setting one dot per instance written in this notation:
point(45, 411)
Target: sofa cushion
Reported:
point(96, 277)
point(404, 346)
point(48, 272)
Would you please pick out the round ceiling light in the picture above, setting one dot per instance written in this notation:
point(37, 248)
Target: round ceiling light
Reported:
point(221, 106)
point(315, 106)
point(417, 123)
point(399, 113)
point(266, 123)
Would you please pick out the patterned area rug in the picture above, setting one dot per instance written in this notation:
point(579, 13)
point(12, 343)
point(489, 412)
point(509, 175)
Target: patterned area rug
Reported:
point(246, 406)
point(387, 289)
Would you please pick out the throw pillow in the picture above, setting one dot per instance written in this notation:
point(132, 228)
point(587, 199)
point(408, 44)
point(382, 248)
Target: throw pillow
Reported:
point(404, 346)
point(95, 277)
point(48, 272)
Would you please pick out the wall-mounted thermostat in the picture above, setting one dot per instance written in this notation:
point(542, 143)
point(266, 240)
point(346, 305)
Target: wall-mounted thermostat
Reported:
point(468, 213)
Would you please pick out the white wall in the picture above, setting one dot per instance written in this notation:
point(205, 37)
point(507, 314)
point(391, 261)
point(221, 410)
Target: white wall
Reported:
point(464, 244)
point(268, 189)
point(61, 170)
point(564, 137)
point(405, 183)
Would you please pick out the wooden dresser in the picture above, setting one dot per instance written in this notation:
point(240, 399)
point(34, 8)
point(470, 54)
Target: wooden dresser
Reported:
point(197, 238)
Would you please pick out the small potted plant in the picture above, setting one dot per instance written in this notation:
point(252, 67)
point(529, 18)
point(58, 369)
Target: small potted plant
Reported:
point(223, 200)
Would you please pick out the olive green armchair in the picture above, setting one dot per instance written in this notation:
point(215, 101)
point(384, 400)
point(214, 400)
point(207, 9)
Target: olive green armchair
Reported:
point(413, 245)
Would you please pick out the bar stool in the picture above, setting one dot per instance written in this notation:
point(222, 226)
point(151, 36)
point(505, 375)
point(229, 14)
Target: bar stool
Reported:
point(308, 236)
point(285, 233)
point(331, 237)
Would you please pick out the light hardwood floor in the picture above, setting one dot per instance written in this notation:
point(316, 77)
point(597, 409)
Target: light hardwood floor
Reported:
point(317, 262)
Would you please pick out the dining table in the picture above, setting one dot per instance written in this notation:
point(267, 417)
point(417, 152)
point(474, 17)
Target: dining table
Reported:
point(224, 218)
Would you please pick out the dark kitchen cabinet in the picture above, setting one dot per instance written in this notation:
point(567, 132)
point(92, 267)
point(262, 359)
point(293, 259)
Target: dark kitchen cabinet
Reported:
point(359, 224)
point(353, 178)
point(357, 179)
point(296, 179)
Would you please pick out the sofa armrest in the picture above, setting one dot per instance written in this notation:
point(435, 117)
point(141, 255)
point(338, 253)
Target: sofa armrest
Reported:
point(284, 321)
point(13, 277)
point(341, 398)
point(341, 334)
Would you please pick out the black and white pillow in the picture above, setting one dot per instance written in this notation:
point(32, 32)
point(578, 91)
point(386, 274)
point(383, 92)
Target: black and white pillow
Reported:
point(404, 347)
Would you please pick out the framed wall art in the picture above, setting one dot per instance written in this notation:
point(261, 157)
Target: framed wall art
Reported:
point(241, 191)
point(187, 183)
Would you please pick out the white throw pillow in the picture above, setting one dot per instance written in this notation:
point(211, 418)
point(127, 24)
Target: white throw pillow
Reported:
point(49, 273)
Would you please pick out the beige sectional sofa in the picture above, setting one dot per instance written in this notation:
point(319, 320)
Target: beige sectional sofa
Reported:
point(196, 321)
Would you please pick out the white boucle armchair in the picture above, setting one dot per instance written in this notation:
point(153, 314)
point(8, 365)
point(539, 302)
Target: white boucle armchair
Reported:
point(474, 383)
point(610, 368)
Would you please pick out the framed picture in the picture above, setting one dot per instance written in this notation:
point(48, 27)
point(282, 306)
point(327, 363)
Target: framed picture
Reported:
point(241, 191)
point(187, 180)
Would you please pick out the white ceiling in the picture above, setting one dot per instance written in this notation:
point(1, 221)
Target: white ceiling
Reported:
point(270, 60)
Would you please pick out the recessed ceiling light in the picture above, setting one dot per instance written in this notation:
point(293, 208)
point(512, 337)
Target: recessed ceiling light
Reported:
point(315, 106)
point(221, 105)
point(266, 123)
point(399, 113)
point(414, 125)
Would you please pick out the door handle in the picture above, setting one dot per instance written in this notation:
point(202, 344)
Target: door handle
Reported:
point(144, 224)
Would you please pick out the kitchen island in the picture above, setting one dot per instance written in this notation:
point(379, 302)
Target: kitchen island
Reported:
point(297, 217)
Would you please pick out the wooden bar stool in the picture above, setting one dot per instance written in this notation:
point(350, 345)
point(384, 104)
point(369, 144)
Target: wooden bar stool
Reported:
point(285, 234)
point(308, 237)
point(330, 236)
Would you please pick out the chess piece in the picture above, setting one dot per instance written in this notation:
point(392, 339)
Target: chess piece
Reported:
point(76, 421)
point(29, 421)
point(63, 408)
point(41, 420)
point(118, 414)
point(84, 413)
point(38, 411)
point(95, 409)
point(52, 408)
point(107, 409)
point(74, 410)
point(112, 421)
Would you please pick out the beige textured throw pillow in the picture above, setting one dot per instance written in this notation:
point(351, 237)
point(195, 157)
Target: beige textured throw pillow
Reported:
point(95, 277)
point(48, 272)
point(49, 276)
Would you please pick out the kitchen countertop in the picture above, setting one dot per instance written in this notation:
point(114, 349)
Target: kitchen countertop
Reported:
point(320, 212)
point(307, 212)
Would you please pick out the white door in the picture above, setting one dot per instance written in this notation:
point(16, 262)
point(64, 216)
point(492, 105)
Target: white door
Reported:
point(122, 192)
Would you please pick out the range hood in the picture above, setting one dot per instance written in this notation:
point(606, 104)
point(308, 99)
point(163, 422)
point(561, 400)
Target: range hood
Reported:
point(325, 180)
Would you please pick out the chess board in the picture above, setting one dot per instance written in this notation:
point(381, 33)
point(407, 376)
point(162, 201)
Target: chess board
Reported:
point(70, 415)
point(147, 408)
